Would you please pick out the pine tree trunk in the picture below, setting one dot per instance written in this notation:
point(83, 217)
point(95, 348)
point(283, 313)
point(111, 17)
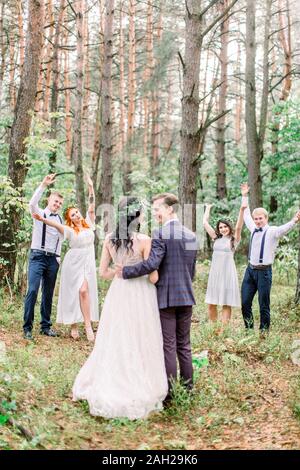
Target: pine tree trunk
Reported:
point(68, 119)
point(17, 164)
point(253, 148)
point(55, 83)
point(190, 136)
point(87, 86)
point(285, 41)
point(77, 122)
point(127, 186)
point(239, 99)
point(3, 48)
point(12, 68)
point(297, 296)
point(21, 34)
point(47, 60)
point(221, 124)
point(105, 190)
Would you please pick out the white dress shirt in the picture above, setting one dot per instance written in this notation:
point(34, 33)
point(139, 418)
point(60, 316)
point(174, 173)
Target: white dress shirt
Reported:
point(271, 240)
point(53, 238)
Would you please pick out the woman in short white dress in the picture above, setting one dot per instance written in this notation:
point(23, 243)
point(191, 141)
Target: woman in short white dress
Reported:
point(223, 287)
point(78, 295)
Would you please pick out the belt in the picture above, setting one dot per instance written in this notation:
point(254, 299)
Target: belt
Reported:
point(261, 267)
point(46, 253)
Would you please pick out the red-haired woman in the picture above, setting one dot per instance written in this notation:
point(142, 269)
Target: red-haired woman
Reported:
point(78, 296)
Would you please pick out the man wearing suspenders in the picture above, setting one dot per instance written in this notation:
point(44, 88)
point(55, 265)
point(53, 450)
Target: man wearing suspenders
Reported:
point(43, 260)
point(258, 276)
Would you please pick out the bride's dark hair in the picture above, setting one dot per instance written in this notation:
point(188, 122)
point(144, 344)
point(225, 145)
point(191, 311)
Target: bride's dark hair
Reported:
point(129, 210)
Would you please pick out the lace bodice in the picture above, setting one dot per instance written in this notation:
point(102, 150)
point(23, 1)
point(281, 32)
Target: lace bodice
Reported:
point(84, 239)
point(224, 244)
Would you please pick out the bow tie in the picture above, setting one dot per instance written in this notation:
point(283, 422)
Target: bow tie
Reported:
point(52, 215)
point(258, 230)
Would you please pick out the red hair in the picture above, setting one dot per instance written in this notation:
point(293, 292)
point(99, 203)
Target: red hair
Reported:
point(71, 224)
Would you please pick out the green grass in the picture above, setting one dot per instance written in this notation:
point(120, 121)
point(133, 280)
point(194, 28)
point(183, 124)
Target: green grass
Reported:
point(248, 392)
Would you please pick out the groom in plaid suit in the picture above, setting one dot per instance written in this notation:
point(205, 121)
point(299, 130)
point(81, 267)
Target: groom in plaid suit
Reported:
point(173, 254)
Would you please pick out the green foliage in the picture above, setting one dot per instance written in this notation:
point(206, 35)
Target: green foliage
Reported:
point(286, 185)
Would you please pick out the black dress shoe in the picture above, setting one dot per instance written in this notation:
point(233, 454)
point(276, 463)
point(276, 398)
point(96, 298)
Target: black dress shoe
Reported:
point(49, 332)
point(28, 335)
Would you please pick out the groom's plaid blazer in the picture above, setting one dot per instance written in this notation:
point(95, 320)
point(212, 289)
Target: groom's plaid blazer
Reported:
point(173, 254)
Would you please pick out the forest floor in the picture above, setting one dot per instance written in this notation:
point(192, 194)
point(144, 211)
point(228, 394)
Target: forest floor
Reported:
point(248, 397)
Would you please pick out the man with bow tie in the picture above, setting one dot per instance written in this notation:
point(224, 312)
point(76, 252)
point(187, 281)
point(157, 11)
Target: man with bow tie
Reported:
point(262, 247)
point(43, 261)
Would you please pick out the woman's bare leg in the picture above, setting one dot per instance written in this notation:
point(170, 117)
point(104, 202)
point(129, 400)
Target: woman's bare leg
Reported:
point(226, 314)
point(85, 309)
point(212, 312)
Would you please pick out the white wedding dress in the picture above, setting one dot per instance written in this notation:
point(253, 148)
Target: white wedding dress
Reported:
point(125, 377)
point(78, 265)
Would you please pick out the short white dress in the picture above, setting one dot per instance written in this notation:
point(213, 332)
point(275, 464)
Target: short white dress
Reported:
point(78, 264)
point(223, 286)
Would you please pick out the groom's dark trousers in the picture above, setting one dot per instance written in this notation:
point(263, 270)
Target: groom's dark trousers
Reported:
point(42, 268)
point(173, 254)
point(175, 325)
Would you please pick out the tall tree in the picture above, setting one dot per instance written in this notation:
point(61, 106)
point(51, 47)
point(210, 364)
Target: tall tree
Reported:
point(297, 295)
point(3, 47)
point(17, 164)
point(255, 135)
point(286, 45)
point(193, 136)
point(127, 186)
point(105, 189)
point(55, 83)
point(77, 122)
point(221, 123)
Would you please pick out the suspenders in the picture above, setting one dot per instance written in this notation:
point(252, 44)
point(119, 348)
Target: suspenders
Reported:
point(44, 234)
point(262, 246)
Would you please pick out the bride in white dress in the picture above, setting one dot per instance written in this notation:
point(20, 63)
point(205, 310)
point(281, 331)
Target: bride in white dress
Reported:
point(125, 374)
point(78, 295)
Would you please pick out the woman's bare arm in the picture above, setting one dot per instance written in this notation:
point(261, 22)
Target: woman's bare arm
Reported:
point(104, 269)
point(153, 277)
point(91, 207)
point(211, 232)
point(240, 222)
point(51, 223)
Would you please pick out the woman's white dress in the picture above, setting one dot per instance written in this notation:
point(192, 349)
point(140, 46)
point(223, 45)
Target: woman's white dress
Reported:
point(78, 265)
point(125, 377)
point(223, 286)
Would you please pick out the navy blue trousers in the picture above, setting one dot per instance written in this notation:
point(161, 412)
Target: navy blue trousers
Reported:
point(260, 281)
point(43, 269)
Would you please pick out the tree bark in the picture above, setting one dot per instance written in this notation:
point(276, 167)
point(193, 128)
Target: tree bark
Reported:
point(190, 135)
point(17, 164)
point(193, 136)
point(55, 84)
point(127, 186)
point(77, 122)
point(285, 41)
point(297, 295)
point(254, 175)
point(105, 190)
point(221, 124)
point(3, 48)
